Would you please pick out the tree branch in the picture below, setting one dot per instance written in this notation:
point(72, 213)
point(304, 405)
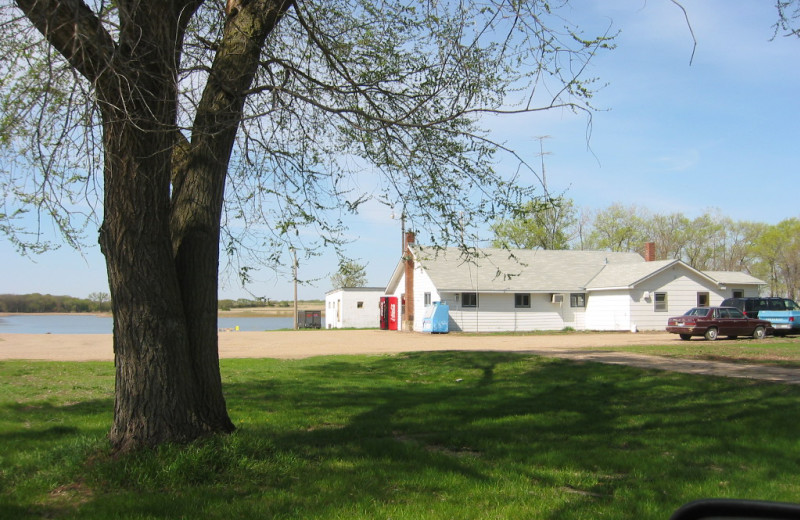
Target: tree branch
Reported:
point(75, 31)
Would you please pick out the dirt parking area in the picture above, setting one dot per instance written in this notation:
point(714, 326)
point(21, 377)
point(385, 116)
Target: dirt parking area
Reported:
point(581, 346)
point(302, 344)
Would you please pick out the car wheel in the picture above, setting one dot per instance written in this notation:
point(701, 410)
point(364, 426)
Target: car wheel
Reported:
point(685, 337)
point(711, 334)
point(759, 333)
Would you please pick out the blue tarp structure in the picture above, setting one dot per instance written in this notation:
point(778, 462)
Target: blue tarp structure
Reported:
point(437, 319)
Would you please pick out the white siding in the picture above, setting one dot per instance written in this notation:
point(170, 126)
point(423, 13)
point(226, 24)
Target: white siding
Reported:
point(399, 292)
point(747, 291)
point(342, 308)
point(422, 284)
point(681, 287)
point(496, 313)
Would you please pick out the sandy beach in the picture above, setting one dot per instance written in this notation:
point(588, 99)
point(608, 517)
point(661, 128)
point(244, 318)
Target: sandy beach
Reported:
point(302, 344)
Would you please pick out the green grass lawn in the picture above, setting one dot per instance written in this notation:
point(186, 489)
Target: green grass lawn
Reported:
point(419, 436)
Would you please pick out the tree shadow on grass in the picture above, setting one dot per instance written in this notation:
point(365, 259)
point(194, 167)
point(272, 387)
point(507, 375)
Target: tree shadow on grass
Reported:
point(411, 435)
point(588, 431)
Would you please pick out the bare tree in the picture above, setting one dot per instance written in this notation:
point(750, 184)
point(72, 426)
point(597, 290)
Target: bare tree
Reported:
point(214, 122)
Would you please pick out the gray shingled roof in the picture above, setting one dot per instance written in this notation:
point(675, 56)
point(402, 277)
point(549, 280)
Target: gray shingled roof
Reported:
point(627, 275)
point(499, 270)
point(734, 277)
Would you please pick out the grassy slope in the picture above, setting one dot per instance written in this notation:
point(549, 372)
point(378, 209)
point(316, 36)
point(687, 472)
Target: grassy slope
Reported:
point(416, 436)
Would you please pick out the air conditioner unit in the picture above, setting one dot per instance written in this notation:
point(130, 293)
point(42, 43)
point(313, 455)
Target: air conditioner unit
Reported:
point(556, 298)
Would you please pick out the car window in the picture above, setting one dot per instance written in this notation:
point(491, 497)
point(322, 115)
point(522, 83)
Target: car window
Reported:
point(777, 305)
point(724, 313)
point(697, 311)
point(788, 305)
point(735, 313)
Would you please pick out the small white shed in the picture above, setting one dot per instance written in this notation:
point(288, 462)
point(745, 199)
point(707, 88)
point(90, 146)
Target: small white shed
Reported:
point(352, 308)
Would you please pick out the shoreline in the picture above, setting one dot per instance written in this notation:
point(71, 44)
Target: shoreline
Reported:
point(235, 313)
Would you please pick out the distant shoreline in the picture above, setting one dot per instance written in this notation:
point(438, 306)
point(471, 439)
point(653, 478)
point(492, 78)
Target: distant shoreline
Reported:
point(249, 312)
point(88, 313)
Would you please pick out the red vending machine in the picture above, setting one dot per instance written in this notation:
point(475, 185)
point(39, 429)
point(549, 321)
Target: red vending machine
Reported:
point(389, 312)
point(394, 313)
point(383, 312)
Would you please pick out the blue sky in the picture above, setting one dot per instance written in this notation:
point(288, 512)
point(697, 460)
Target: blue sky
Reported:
point(720, 134)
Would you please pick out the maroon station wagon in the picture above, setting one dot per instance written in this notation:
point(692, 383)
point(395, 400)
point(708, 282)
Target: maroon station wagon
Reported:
point(717, 321)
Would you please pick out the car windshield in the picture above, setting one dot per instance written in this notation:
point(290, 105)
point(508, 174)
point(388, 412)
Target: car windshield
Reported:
point(697, 311)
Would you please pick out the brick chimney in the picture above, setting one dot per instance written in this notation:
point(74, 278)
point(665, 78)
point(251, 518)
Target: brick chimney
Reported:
point(649, 251)
point(408, 307)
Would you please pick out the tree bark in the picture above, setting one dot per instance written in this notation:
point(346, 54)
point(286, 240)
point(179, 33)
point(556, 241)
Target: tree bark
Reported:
point(168, 385)
point(162, 203)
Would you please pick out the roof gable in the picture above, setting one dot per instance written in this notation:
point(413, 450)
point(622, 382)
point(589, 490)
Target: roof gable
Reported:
point(623, 276)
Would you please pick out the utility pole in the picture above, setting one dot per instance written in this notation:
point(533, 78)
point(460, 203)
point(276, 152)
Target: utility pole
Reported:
point(294, 279)
point(402, 230)
point(542, 153)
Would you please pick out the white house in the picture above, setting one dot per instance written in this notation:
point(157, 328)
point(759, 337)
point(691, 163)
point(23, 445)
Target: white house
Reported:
point(523, 290)
point(352, 307)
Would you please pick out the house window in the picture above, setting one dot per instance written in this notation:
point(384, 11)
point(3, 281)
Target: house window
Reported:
point(577, 300)
point(738, 293)
point(702, 299)
point(660, 302)
point(427, 297)
point(522, 301)
point(469, 299)
point(359, 305)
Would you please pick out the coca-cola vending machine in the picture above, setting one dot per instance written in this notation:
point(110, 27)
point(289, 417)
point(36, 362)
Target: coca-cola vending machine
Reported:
point(394, 313)
point(389, 312)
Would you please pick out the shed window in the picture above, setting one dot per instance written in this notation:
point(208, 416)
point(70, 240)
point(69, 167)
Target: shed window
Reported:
point(660, 302)
point(469, 299)
point(427, 297)
point(359, 305)
point(522, 301)
point(702, 299)
point(577, 300)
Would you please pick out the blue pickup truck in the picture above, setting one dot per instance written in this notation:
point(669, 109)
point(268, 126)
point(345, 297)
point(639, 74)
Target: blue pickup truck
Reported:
point(783, 313)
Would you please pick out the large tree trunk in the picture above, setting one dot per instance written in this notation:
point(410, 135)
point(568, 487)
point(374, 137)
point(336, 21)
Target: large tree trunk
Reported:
point(164, 298)
point(163, 200)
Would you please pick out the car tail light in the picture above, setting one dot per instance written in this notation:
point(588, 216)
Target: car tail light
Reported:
point(791, 318)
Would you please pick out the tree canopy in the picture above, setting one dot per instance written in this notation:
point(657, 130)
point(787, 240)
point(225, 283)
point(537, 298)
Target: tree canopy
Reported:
point(350, 274)
point(189, 127)
point(350, 100)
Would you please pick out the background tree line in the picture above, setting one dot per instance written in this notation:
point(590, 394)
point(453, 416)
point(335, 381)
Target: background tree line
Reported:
point(709, 242)
point(95, 302)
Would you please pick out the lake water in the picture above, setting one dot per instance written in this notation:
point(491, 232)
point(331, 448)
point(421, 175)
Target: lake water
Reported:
point(89, 324)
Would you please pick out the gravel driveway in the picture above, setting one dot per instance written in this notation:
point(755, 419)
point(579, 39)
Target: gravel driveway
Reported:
point(302, 344)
